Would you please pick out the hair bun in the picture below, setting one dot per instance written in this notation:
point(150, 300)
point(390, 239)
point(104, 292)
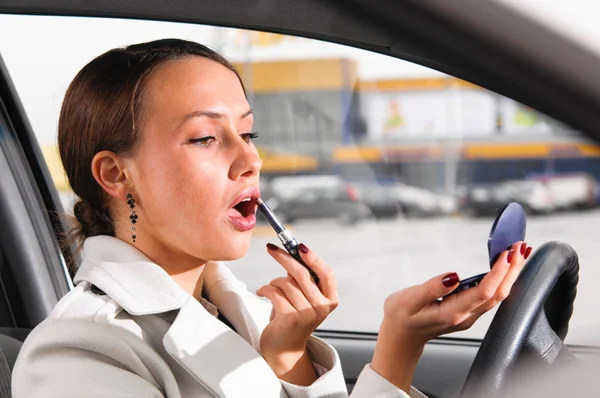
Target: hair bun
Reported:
point(92, 222)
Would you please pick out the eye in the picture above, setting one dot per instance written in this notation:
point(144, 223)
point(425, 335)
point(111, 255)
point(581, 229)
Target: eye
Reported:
point(202, 142)
point(249, 137)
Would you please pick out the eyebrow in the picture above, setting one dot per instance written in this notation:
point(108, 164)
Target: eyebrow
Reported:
point(212, 115)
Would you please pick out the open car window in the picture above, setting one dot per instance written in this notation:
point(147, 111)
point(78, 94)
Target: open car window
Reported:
point(392, 172)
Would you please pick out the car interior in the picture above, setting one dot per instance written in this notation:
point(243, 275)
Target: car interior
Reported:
point(467, 42)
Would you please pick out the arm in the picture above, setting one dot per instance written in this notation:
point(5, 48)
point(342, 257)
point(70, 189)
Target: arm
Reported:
point(299, 306)
point(59, 360)
point(293, 367)
point(412, 317)
point(420, 313)
point(331, 381)
point(415, 315)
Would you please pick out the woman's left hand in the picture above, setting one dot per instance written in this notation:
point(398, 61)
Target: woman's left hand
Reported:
point(299, 307)
point(414, 315)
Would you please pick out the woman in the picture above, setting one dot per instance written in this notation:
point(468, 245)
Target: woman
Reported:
point(156, 140)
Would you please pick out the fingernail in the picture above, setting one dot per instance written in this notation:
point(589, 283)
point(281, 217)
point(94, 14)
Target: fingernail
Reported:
point(303, 248)
point(271, 246)
point(510, 256)
point(523, 248)
point(527, 252)
point(450, 279)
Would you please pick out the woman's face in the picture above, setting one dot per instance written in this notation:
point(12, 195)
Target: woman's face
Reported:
point(195, 163)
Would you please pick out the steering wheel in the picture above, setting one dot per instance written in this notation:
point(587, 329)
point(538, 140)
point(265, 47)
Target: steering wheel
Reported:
point(533, 320)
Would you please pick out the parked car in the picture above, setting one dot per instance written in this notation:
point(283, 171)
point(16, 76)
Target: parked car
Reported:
point(571, 191)
point(316, 197)
point(489, 199)
point(380, 200)
point(416, 201)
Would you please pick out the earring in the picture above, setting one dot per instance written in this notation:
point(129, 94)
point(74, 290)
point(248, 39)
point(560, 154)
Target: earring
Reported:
point(133, 217)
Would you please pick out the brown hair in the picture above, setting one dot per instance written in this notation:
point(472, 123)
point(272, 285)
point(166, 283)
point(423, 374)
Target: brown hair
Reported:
point(102, 110)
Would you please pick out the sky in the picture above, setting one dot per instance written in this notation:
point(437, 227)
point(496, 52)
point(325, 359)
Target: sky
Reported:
point(44, 53)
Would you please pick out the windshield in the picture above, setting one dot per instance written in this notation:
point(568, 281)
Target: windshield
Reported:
point(388, 170)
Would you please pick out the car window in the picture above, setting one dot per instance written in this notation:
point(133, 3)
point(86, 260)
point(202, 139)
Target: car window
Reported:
point(412, 164)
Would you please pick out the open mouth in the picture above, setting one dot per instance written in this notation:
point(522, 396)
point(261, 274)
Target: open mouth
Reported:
point(246, 207)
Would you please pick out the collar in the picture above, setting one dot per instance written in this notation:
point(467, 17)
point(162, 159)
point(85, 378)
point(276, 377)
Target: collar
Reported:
point(130, 278)
point(142, 287)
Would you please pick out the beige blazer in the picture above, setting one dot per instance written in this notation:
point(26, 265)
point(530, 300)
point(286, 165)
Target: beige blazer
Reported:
point(127, 329)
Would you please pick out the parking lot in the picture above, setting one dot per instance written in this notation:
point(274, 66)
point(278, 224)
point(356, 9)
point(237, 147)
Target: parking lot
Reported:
point(374, 258)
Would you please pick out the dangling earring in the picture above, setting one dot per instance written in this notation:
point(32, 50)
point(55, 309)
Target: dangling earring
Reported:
point(133, 217)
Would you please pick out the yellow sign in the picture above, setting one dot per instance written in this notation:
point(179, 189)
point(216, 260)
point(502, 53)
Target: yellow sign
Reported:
point(286, 162)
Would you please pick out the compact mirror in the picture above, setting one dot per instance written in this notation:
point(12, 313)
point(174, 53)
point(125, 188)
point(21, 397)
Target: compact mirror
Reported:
point(508, 228)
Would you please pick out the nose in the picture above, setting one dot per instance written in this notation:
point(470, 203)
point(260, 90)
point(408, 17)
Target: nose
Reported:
point(246, 162)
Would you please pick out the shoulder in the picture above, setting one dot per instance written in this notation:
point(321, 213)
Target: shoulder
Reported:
point(75, 357)
point(82, 319)
point(85, 303)
point(80, 345)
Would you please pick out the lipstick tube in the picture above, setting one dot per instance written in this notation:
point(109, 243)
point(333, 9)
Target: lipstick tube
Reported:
point(285, 237)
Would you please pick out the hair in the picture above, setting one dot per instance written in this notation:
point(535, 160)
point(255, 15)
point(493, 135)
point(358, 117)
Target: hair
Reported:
point(103, 109)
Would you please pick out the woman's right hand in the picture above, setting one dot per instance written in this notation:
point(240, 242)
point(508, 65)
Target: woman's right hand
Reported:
point(414, 315)
point(299, 307)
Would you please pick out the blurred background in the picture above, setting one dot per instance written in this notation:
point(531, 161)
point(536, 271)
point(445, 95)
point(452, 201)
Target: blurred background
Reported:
point(391, 171)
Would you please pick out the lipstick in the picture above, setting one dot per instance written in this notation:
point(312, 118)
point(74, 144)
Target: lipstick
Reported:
point(285, 237)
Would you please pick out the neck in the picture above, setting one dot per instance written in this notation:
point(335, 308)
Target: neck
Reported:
point(186, 270)
point(188, 273)
point(191, 280)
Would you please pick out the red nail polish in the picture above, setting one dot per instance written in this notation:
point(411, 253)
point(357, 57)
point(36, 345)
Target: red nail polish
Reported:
point(303, 248)
point(271, 246)
point(527, 252)
point(450, 279)
point(510, 256)
point(523, 248)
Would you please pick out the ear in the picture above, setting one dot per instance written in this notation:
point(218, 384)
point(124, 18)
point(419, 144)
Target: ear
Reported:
point(108, 169)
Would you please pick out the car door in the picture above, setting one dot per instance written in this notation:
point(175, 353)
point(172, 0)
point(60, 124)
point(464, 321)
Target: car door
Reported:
point(33, 273)
point(371, 260)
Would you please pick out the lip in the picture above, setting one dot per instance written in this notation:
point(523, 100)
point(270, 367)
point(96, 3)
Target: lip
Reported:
point(251, 192)
point(243, 224)
point(237, 220)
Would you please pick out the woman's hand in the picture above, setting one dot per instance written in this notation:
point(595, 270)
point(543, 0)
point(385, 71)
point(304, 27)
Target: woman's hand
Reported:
point(299, 307)
point(415, 315)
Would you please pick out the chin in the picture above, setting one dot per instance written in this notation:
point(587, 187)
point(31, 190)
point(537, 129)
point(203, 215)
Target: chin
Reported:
point(231, 256)
point(236, 249)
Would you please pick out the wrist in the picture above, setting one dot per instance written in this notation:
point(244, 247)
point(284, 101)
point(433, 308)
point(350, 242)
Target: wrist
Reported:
point(294, 367)
point(282, 362)
point(396, 355)
point(401, 340)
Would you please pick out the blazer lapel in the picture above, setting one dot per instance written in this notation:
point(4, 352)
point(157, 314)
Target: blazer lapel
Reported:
point(221, 360)
point(248, 314)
